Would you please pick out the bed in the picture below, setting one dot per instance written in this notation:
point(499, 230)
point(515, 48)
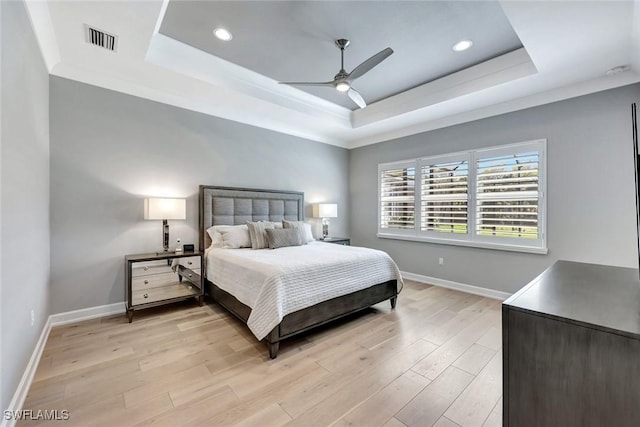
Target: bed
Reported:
point(284, 292)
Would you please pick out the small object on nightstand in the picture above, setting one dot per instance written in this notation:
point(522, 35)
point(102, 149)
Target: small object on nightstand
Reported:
point(158, 279)
point(178, 245)
point(189, 247)
point(337, 240)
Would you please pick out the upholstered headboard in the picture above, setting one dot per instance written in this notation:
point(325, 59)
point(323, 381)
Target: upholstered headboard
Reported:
point(234, 206)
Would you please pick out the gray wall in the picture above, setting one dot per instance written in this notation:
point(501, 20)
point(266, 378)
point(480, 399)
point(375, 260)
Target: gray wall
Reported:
point(24, 257)
point(590, 190)
point(109, 151)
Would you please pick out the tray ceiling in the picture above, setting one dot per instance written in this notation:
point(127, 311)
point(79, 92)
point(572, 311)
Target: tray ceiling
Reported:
point(525, 53)
point(294, 40)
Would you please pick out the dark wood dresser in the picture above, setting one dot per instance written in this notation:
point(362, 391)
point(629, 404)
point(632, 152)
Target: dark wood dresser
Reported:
point(571, 348)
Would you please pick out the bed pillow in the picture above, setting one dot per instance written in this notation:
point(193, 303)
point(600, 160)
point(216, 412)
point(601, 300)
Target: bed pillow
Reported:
point(216, 237)
point(236, 237)
point(280, 238)
point(300, 224)
point(257, 233)
point(229, 236)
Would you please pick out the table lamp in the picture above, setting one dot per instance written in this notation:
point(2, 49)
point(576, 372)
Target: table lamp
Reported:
point(165, 209)
point(325, 211)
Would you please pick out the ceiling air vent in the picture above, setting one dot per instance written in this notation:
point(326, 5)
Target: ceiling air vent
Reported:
point(102, 39)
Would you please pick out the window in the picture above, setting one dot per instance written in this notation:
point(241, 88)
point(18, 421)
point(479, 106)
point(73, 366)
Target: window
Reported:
point(397, 197)
point(444, 195)
point(491, 198)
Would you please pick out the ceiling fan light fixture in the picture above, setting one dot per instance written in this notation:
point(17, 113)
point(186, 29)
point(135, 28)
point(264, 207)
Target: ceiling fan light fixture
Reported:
point(343, 87)
point(462, 45)
point(223, 34)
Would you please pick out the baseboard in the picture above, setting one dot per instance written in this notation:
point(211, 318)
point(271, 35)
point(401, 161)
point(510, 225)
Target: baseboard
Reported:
point(27, 377)
point(54, 320)
point(470, 289)
point(87, 313)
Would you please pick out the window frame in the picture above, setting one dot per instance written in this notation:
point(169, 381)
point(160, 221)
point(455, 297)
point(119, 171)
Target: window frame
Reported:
point(471, 239)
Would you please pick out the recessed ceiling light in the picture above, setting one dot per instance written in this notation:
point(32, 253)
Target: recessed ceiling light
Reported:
point(462, 45)
point(223, 34)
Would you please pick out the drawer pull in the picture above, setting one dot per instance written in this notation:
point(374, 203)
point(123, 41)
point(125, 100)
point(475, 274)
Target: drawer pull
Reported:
point(146, 282)
point(189, 262)
point(146, 268)
point(146, 295)
point(190, 274)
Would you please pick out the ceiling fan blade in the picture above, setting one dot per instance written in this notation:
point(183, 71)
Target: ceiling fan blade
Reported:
point(356, 97)
point(330, 84)
point(367, 65)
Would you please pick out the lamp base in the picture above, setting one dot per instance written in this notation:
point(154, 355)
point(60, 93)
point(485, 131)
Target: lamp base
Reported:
point(325, 228)
point(165, 234)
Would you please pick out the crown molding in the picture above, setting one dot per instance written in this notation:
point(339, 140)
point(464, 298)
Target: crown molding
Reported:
point(38, 12)
point(195, 63)
point(496, 71)
point(519, 103)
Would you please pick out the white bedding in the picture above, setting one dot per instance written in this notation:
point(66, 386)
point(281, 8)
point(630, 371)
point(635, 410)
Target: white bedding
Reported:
point(277, 282)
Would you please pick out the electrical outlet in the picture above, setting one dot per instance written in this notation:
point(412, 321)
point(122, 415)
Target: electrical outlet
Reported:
point(33, 317)
point(441, 261)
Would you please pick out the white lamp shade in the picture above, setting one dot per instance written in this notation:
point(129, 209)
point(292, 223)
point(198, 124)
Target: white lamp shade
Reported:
point(161, 208)
point(325, 210)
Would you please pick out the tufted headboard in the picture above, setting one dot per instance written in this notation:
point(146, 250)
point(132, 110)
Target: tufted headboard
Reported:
point(234, 206)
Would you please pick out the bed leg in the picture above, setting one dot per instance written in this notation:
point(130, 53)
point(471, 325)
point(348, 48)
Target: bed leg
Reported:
point(273, 349)
point(273, 340)
point(393, 300)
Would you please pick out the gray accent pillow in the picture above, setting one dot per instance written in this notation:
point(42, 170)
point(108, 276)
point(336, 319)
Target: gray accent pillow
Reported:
point(279, 238)
point(257, 234)
point(300, 224)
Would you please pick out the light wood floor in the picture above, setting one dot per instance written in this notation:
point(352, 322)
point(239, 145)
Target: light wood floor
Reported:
point(435, 360)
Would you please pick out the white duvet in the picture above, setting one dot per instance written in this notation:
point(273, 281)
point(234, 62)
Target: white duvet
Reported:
point(276, 282)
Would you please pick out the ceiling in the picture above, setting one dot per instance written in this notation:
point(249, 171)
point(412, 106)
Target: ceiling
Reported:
point(295, 41)
point(524, 54)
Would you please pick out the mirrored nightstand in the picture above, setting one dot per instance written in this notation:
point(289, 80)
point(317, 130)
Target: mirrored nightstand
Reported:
point(158, 279)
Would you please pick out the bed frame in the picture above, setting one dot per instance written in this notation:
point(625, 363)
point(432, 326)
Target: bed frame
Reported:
point(233, 206)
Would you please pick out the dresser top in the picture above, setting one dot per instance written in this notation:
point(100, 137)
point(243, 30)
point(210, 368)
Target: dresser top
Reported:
point(597, 296)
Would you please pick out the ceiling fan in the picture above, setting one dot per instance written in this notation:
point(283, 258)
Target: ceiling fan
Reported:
point(342, 81)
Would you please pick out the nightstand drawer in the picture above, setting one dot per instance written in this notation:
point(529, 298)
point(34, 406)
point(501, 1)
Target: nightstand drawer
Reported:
point(192, 262)
point(176, 290)
point(154, 280)
point(189, 274)
point(150, 267)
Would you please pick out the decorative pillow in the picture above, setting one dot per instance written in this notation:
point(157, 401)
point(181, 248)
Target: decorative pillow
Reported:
point(257, 233)
point(279, 238)
point(229, 236)
point(300, 224)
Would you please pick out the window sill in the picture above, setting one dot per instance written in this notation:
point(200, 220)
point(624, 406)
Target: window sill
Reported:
point(467, 243)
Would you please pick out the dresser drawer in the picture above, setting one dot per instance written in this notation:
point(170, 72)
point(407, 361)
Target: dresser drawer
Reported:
point(154, 280)
point(146, 268)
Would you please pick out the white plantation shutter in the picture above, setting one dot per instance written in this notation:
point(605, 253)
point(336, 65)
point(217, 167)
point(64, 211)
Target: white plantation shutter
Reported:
point(508, 195)
point(490, 198)
point(444, 188)
point(397, 196)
